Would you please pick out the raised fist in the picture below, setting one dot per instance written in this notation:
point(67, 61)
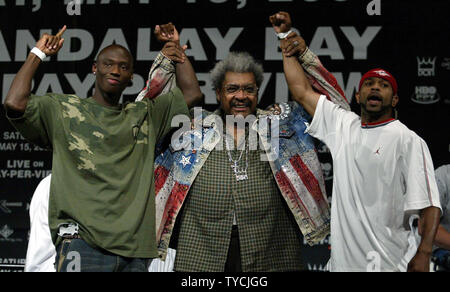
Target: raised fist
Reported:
point(281, 22)
point(167, 32)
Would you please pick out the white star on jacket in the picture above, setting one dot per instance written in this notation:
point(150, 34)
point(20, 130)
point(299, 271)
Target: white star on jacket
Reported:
point(185, 161)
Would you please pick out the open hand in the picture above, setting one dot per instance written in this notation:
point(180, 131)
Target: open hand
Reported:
point(50, 44)
point(293, 45)
point(174, 52)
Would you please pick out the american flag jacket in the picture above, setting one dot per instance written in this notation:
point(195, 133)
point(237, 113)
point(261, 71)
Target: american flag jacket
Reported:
point(296, 167)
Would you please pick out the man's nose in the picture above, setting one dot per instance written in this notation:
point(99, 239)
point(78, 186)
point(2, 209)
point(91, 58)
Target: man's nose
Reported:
point(115, 70)
point(241, 94)
point(375, 87)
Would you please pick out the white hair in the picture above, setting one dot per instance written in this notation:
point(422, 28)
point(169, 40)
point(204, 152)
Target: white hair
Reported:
point(237, 62)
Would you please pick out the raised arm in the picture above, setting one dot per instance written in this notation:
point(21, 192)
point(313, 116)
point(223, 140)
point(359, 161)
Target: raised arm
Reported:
point(172, 67)
point(17, 98)
point(320, 79)
point(298, 83)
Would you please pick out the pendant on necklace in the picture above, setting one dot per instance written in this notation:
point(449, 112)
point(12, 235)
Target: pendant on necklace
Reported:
point(241, 177)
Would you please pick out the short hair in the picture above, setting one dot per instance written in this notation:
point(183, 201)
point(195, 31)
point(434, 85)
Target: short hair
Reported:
point(120, 47)
point(236, 62)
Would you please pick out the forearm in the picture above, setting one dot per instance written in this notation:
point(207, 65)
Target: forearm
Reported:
point(188, 83)
point(442, 238)
point(321, 79)
point(160, 78)
point(299, 85)
point(429, 225)
point(20, 90)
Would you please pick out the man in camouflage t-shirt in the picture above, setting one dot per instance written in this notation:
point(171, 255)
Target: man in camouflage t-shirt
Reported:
point(103, 155)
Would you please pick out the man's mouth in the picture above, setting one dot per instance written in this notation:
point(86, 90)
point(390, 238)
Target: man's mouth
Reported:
point(240, 107)
point(113, 81)
point(374, 100)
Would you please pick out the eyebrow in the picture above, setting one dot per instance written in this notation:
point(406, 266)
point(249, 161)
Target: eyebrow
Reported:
point(234, 84)
point(129, 64)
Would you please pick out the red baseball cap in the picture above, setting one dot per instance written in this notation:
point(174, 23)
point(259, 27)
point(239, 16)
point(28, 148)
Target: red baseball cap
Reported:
point(383, 74)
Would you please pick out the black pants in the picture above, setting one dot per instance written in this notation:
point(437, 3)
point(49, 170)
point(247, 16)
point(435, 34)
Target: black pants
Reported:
point(233, 264)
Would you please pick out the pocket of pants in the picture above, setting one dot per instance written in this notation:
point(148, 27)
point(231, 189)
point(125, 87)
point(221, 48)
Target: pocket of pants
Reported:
point(63, 250)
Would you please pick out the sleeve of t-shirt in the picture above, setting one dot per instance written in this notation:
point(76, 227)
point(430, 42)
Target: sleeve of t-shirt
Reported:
point(37, 122)
point(418, 172)
point(328, 118)
point(164, 109)
point(443, 180)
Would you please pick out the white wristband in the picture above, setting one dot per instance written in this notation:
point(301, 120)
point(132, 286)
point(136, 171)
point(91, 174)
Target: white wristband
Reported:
point(41, 55)
point(283, 35)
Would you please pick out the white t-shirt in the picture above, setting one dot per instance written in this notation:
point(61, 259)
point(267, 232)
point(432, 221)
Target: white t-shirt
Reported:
point(383, 173)
point(443, 183)
point(41, 253)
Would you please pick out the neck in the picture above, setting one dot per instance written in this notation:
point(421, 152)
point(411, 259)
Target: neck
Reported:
point(369, 117)
point(237, 132)
point(104, 98)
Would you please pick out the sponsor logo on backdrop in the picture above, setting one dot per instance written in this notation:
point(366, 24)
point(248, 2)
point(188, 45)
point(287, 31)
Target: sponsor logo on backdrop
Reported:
point(5, 234)
point(426, 66)
point(426, 95)
point(6, 206)
point(446, 63)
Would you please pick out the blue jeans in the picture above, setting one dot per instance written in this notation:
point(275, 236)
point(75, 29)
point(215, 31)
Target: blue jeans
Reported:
point(75, 255)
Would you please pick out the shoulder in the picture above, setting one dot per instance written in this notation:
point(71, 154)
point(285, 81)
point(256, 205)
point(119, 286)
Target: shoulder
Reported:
point(444, 172)
point(406, 134)
point(55, 98)
point(283, 111)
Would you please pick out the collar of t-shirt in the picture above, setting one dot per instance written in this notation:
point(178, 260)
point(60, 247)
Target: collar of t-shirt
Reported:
point(377, 124)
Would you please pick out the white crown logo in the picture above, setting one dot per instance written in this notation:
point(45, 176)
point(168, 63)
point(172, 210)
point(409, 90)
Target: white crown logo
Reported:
point(426, 61)
point(426, 66)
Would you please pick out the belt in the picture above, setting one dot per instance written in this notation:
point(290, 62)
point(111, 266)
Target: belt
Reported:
point(75, 236)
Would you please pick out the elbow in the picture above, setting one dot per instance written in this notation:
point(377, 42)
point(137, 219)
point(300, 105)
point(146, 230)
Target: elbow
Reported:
point(299, 93)
point(198, 97)
point(12, 104)
point(193, 98)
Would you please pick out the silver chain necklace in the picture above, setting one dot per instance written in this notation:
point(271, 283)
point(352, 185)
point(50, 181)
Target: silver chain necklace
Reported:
point(240, 173)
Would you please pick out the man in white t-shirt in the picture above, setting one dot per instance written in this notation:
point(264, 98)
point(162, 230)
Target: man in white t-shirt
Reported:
point(383, 173)
point(442, 241)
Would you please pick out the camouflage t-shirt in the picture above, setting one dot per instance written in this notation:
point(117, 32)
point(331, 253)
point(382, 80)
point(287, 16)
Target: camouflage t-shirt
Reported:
point(102, 176)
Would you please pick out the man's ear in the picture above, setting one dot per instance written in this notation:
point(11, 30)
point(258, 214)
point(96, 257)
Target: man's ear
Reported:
point(357, 95)
point(395, 100)
point(218, 96)
point(130, 83)
point(94, 68)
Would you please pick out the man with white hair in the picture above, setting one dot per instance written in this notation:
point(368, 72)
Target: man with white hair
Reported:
point(236, 212)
